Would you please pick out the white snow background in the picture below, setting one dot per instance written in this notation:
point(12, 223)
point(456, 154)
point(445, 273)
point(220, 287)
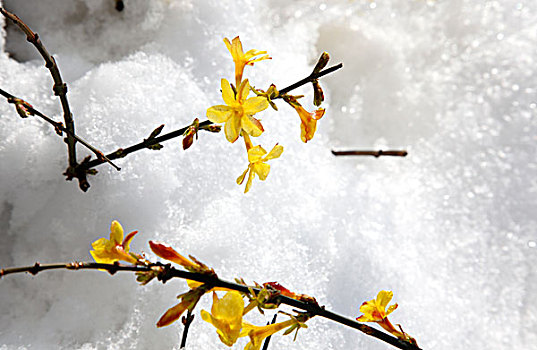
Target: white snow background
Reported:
point(451, 229)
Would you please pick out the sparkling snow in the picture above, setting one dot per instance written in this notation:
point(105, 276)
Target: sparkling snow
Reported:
point(451, 229)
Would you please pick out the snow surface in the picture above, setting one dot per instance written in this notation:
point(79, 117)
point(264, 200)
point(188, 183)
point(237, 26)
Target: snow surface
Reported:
point(451, 229)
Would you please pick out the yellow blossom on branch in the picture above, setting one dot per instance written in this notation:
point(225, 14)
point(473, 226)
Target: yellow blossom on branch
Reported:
point(257, 160)
point(375, 311)
point(308, 124)
point(226, 316)
point(242, 59)
point(108, 251)
point(257, 334)
point(237, 113)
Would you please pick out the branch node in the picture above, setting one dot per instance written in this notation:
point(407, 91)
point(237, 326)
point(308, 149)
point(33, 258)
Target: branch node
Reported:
point(35, 269)
point(59, 89)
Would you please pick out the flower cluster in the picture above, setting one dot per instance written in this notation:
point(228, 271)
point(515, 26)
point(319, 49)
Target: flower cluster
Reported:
point(227, 312)
point(238, 112)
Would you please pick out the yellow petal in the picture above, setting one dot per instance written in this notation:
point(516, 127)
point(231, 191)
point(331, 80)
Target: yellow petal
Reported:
point(100, 244)
point(240, 179)
point(275, 152)
point(232, 128)
point(249, 182)
point(226, 316)
point(219, 113)
point(227, 93)
point(116, 232)
point(251, 125)
point(383, 298)
point(258, 334)
point(391, 308)
point(228, 44)
point(256, 153)
point(261, 169)
point(243, 91)
point(236, 48)
point(255, 105)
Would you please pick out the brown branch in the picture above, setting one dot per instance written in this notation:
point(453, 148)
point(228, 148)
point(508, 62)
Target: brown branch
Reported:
point(187, 321)
point(167, 272)
point(59, 87)
point(58, 126)
point(314, 75)
point(147, 143)
point(375, 154)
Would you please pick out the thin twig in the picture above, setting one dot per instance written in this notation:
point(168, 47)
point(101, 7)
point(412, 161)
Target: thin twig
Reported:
point(166, 272)
point(59, 88)
point(59, 126)
point(376, 154)
point(267, 339)
point(187, 321)
point(309, 79)
point(120, 153)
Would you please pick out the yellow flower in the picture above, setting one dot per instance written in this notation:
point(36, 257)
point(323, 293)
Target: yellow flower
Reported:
point(257, 164)
point(109, 251)
point(375, 311)
point(308, 120)
point(237, 113)
point(242, 59)
point(226, 316)
point(258, 334)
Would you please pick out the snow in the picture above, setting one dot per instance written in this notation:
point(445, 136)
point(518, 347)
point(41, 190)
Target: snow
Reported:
point(451, 228)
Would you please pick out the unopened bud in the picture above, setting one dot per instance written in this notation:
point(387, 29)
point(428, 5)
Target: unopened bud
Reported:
point(321, 63)
point(318, 95)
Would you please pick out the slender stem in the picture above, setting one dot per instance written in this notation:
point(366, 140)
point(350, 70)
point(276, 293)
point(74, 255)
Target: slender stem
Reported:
point(59, 88)
point(59, 126)
point(375, 154)
point(166, 272)
point(267, 339)
point(120, 153)
point(309, 79)
point(187, 321)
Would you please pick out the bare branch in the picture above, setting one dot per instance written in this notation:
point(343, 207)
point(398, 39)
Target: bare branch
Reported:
point(376, 154)
point(59, 88)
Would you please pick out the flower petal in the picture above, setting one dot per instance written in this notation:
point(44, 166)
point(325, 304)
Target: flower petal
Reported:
point(240, 179)
point(391, 308)
point(127, 241)
point(275, 152)
point(251, 125)
point(243, 91)
point(256, 153)
point(116, 232)
point(255, 105)
point(227, 93)
point(232, 128)
point(261, 169)
point(249, 182)
point(383, 298)
point(219, 113)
